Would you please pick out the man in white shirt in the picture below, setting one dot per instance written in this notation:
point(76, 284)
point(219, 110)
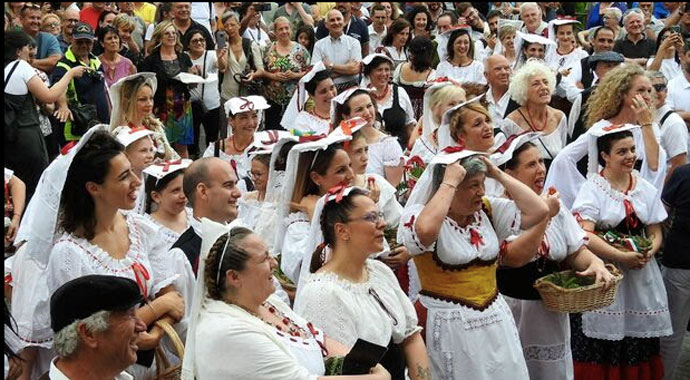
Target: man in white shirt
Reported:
point(674, 133)
point(497, 72)
point(97, 328)
point(340, 53)
point(679, 88)
point(377, 29)
point(530, 14)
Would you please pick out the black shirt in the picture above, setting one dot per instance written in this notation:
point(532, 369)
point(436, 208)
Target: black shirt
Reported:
point(357, 29)
point(676, 196)
point(644, 48)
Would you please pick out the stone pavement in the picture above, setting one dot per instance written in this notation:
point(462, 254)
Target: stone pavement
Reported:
point(683, 369)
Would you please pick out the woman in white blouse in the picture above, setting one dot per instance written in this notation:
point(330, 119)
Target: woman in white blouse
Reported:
point(243, 330)
point(351, 297)
point(459, 65)
point(385, 154)
point(394, 45)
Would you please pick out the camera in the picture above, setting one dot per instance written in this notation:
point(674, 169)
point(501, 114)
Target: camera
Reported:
point(96, 76)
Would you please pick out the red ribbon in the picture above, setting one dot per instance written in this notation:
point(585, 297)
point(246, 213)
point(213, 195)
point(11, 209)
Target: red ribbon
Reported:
point(476, 238)
point(410, 223)
point(416, 160)
point(272, 137)
point(65, 149)
point(453, 149)
point(137, 129)
point(506, 144)
point(338, 191)
point(544, 247)
point(141, 275)
point(233, 163)
point(247, 105)
point(630, 215)
point(310, 138)
point(612, 127)
point(167, 164)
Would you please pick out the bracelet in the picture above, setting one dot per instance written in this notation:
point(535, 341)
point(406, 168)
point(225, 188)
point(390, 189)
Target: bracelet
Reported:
point(646, 125)
point(449, 185)
point(155, 314)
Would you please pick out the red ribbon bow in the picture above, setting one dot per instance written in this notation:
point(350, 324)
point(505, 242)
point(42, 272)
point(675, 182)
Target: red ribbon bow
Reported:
point(272, 138)
point(247, 105)
point(630, 215)
point(137, 129)
point(233, 163)
point(338, 191)
point(410, 223)
point(310, 138)
point(65, 149)
point(453, 149)
point(167, 164)
point(416, 160)
point(141, 275)
point(476, 238)
point(544, 248)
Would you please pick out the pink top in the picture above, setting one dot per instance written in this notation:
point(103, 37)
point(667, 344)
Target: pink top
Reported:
point(117, 71)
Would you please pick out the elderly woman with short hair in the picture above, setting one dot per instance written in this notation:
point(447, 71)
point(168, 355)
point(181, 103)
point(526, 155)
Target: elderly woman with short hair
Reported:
point(532, 87)
point(453, 233)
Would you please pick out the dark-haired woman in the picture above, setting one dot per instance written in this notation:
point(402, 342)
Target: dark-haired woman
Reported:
point(240, 329)
point(312, 168)
point(622, 338)
point(385, 153)
point(92, 184)
point(537, 252)
point(413, 75)
point(460, 64)
point(392, 101)
point(347, 292)
point(394, 45)
point(420, 19)
point(309, 111)
point(25, 148)
point(166, 204)
point(666, 60)
point(115, 66)
point(306, 36)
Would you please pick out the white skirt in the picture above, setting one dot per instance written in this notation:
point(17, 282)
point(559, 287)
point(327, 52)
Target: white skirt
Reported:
point(468, 344)
point(545, 338)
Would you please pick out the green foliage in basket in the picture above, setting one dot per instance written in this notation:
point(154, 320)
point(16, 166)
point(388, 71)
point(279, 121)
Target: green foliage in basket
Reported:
point(568, 280)
point(279, 273)
point(391, 236)
point(334, 365)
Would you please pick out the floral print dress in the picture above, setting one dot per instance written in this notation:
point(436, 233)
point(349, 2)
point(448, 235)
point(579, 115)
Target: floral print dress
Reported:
point(296, 61)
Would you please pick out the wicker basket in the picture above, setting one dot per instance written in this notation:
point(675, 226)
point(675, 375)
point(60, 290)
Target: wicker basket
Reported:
point(585, 298)
point(164, 370)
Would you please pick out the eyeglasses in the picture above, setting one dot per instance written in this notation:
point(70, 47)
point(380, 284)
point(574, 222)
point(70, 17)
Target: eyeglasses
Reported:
point(372, 217)
point(659, 87)
point(198, 41)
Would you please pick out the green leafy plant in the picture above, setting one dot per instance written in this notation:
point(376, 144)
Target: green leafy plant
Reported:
point(569, 280)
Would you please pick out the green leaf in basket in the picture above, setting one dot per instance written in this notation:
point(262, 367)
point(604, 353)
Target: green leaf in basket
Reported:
point(334, 365)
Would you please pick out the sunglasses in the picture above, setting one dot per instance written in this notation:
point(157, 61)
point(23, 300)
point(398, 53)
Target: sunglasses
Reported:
point(659, 87)
point(197, 41)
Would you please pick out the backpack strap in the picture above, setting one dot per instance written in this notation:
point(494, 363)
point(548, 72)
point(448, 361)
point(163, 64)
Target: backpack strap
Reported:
point(7, 80)
point(663, 118)
point(247, 48)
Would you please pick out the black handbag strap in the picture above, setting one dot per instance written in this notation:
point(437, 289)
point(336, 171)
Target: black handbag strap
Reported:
point(203, 75)
point(663, 118)
point(7, 80)
point(534, 130)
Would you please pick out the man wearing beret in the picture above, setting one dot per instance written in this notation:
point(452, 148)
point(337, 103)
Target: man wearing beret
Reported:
point(96, 328)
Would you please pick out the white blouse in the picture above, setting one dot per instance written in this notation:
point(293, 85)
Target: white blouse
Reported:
point(237, 345)
point(168, 235)
point(384, 153)
point(474, 72)
point(307, 122)
point(295, 244)
point(243, 161)
point(549, 145)
point(641, 308)
point(345, 310)
point(424, 149)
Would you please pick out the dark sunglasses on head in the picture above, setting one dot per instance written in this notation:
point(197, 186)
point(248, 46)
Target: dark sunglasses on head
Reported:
point(659, 87)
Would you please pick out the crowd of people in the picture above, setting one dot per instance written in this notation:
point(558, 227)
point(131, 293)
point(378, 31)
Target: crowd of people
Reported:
point(291, 188)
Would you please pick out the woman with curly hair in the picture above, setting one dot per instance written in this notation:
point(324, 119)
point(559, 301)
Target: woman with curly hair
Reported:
point(420, 19)
point(624, 96)
point(532, 87)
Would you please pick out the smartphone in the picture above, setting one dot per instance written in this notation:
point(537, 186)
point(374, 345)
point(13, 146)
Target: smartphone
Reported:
point(263, 7)
point(222, 39)
point(675, 29)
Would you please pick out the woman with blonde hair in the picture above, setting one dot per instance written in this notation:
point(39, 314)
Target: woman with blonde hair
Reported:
point(623, 97)
point(506, 34)
point(532, 87)
point(172, 100)
point(132, 101)
point(50, 23)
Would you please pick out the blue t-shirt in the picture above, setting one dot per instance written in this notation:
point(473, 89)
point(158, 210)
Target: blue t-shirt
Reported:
point(47, 45)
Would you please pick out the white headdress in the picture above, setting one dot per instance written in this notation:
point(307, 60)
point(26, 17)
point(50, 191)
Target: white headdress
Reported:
point(299, 98)
point(164, 168)
point(344, 97)
point(428, 123)
point(522, 38)
point(367, 60)
point(291, 172)
point(126, 135)
point(115, 92)
point(504, 153)
point(517, 24)
point(243, 104)
point(600, 130)
point(210, 232)
point(558, 22)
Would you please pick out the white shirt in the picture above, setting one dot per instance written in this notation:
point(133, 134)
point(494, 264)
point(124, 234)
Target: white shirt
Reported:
point(338, 51)
point(674, 133)
point(474, 72)
point(669, 67)
point(679, 94)
point(375, 39)
point(203, 13)
point(497, 109)
point(56, 374)
point(257, 35)
point(20, 77)
point(210, 90)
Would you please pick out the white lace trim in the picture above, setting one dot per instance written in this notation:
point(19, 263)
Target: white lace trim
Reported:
point(296, 217)
point(612, 193)
point(353, 287)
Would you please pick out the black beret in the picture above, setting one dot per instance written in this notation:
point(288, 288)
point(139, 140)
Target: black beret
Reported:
point(84, 296)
